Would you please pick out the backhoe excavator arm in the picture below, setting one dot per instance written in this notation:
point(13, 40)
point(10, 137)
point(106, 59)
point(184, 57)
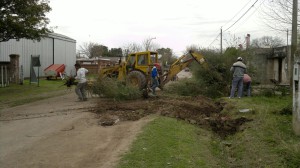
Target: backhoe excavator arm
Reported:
point(179, 65)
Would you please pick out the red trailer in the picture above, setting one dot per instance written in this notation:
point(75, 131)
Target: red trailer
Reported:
point(55, 70)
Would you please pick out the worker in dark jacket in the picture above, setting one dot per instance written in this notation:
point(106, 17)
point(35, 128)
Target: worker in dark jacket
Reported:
point(238, 69)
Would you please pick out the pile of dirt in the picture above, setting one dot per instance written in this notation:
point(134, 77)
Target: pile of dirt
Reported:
point(199, 110)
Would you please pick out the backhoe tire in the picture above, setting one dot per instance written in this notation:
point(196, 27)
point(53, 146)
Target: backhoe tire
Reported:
point(136, 78)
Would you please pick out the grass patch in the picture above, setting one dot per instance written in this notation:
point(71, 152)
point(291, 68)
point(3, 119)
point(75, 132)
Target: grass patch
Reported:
point(14, 94)
point(267, 141)
point(167, 142)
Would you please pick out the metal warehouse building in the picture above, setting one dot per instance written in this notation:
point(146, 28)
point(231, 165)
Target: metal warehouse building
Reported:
point(53, 49)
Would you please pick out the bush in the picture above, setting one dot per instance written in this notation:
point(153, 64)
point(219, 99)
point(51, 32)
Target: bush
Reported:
point(212, 81)
point(112, 88)
point(209, 79)
point(187, 87)
point(213, 78)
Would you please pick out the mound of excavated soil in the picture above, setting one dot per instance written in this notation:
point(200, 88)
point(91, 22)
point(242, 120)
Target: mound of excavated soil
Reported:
point(199, 110)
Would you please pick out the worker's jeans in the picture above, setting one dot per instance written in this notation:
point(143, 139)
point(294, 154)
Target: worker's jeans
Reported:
point(237, 82)
point(248, 88)
point(154, 84)
point(80, 90)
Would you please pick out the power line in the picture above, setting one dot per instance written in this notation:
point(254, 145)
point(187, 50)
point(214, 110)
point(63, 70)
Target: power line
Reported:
point(214, 40)
point(236, 14)
point(236, 20)
point(251, 14)
point(241, 16)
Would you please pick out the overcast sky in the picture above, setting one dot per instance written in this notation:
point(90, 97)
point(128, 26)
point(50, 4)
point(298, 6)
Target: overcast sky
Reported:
point(175, 24)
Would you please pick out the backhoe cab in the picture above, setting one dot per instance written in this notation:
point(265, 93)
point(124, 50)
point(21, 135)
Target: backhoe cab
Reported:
point(137, 69)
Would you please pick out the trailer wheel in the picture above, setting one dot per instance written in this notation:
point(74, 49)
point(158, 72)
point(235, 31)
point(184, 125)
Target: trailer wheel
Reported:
point(136, 78)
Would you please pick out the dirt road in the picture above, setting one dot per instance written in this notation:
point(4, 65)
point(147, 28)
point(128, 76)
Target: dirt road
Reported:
point(60, 132)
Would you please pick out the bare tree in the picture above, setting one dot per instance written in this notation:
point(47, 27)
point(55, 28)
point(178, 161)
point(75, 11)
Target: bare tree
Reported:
point(233, 41)
point(131, 48)
point(86, 49)
point(278, 14)
point(267, 42)
point(149, 45)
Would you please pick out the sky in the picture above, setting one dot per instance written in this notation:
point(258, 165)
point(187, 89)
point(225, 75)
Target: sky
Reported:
point(174, 24)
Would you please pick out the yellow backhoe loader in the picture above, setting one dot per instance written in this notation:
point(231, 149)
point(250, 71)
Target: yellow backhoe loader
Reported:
point(137, 69)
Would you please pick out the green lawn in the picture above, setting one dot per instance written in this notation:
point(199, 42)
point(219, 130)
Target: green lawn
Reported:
point(267, 141)
point(14, 94)
point(167, 142)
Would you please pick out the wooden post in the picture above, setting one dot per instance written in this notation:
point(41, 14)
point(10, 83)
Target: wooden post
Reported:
point(14, 68)
point(295, 73)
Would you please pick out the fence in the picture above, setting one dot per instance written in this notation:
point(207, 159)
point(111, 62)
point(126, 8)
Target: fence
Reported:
point(4, 76)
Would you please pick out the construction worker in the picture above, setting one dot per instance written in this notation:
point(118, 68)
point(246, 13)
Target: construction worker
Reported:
point(154, 75)
point(238, 69)
point(80, 89)
point(247, 84)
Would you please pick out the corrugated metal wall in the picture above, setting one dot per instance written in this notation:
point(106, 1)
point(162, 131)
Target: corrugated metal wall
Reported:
point(64, 52)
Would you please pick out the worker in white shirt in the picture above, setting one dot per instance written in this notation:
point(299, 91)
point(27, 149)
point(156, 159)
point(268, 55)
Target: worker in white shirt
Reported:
point(80, 89)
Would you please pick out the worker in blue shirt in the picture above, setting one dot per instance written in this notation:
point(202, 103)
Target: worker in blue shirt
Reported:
point(154, 75)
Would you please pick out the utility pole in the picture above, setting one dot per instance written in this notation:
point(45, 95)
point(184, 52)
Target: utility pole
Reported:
point(287, 37)
point(221, 41)
point(295, 63)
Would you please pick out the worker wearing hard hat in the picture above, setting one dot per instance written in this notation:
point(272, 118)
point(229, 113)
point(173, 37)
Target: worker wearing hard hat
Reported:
point(238, 69)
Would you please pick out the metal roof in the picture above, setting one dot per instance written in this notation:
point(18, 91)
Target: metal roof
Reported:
point(61, 37)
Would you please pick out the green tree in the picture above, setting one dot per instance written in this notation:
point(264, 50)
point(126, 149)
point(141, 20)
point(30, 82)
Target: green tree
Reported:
point(23, 19)
point(167, 56)
point(99, 50)
point(115, 52)
point(91, 49)
point(212, 77)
